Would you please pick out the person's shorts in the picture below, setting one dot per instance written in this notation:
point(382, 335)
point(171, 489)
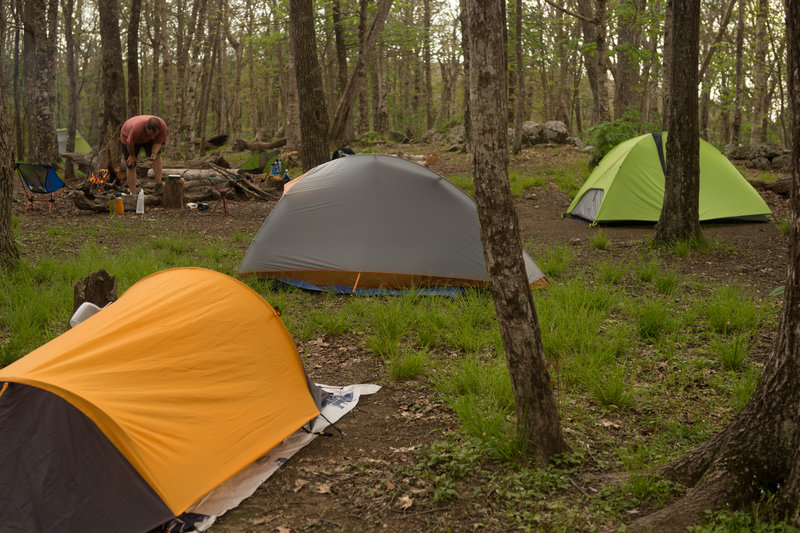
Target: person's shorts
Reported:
point(148, 149)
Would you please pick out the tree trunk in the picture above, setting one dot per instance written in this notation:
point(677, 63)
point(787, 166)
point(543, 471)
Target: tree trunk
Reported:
point(20, 143)
point(465, 50)
point(736, 126)
point(9, 254)
point(39, 64)
point(313, 113)
point(760, 76)
point(519, 105)
point(680, 218)
point(348, 96)
point(133, 58)
point(292, 104)
point(667, 65)
point(537, 419)
point(426, 60)
point(627, 74)
point(363, 98)
point(72, 88)
point(113, 84)
point(593, 25)
point(236, 104)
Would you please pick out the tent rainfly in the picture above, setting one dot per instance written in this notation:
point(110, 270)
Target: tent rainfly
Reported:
point(81, 146)
point(124, 421)
point(373, 223)
point(628, 185)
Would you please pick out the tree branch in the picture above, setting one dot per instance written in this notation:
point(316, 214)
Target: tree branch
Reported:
point(571, 13)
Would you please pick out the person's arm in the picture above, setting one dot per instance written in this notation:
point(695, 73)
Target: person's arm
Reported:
point(155, 151)
point(131, 161)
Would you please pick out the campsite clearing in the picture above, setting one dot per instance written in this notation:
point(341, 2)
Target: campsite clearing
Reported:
point(403, 463)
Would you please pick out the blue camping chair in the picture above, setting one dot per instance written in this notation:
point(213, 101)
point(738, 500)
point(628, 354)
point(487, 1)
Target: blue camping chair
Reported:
point(40, 180)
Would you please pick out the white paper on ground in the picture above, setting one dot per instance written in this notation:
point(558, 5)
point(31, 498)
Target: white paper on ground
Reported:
point(242, 485)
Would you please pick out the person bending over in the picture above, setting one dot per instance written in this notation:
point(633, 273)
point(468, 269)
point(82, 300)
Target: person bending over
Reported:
point(143, 131)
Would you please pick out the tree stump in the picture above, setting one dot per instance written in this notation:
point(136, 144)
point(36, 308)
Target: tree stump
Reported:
point(99, 288)
point(173, 193)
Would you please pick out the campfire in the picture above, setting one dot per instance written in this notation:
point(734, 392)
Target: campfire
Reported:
point(103, 177)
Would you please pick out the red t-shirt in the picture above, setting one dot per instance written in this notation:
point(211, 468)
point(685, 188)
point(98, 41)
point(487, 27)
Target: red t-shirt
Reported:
point(135, 129)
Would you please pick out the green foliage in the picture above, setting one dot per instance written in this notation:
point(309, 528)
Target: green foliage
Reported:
point(653, 319)
point(729, 309)
point(600, 239)
point(783, 226)
point(606, 135)
point(610, 272)
point(408, 364)
point(554, 260)
point(731, 351)
point(727, 521)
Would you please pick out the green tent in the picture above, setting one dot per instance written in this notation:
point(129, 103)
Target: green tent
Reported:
point(259, 162)
point(628, 185)
point(81, 146)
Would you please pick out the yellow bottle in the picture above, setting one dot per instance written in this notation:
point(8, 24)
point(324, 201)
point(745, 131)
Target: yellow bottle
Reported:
point(120, 207)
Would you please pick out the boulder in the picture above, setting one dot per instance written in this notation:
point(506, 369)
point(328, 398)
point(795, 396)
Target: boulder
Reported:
point(556, 132)
point(457, 135)
point(432, 137)
point(397, 137)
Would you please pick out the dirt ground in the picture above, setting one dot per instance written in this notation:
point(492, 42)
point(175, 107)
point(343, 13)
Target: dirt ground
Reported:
point(357, 482)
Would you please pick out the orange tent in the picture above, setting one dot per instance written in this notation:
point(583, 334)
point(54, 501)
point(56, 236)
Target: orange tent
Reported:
point(124, 421)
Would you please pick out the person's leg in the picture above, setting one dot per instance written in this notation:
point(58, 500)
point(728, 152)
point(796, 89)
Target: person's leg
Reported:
point(157, 168)
point(130, 172)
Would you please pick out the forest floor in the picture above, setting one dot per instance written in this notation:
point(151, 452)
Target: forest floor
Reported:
point(363, 480)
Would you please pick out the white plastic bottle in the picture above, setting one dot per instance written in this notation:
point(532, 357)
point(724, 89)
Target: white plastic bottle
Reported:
point(140, 202)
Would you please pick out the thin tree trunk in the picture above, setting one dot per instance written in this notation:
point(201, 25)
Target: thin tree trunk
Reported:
point(666, 71)
point(313, 113)
point(680, 218)
point(39, 64)
point(736, 126)
point(363, 100)
point(465, 50)
point(292, 104)
point(426, 59)
point(72, 87)
point(133, 58)
point(760, 76)
point(627, 74)
point(9, 254)
point(537, 418)
point(349, 94)
point(519, 106)
point(20, 143)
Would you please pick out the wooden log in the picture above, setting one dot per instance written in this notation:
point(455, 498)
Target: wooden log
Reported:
point(780, 186)
point(189, 174)
point(240, 145)
point(173, 193)
point(99, 202)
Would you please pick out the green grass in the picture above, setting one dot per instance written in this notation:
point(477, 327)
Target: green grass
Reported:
point(638, 351)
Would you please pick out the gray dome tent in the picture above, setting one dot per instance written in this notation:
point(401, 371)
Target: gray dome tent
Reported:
point(373, 223)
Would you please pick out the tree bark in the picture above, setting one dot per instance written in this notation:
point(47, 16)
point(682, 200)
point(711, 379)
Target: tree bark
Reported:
point(349, 94)
point(736, 125)
point(537, 418)
point(72, 87)
point(760, 76)
point(39, 65)
point(680, 218)
point(133, 58)
point(426, 60)
point(519, 103)
point(113, 84)
point(462, 17)
point(313, 113)
point(9, 254)
point(758, 450)
point(627, 73)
